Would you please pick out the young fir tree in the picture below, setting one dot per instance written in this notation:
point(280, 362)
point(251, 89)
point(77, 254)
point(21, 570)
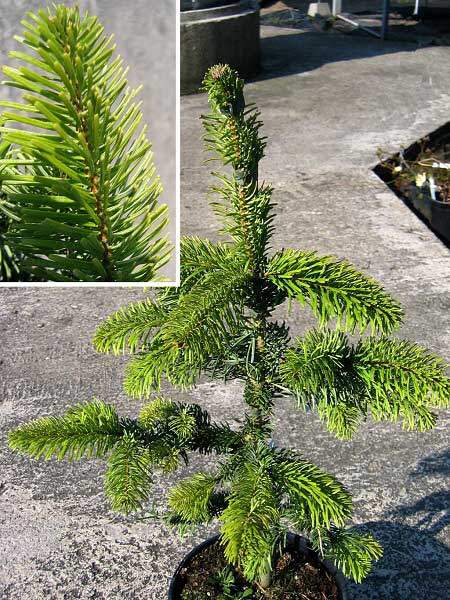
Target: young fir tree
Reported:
point(218, 322)
point(76, 170)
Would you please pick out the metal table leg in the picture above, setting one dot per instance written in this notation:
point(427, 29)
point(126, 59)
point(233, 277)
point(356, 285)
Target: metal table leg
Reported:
point(385, 19)
point(337, 8)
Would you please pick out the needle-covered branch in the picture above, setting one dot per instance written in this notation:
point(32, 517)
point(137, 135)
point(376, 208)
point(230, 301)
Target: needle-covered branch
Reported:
point(260, 484)
point(128, 478)
point(130, 327)
point(90, 429)
point(196, 328)
point(390, 379)
point(194, 499)
point(78, 175)
point(232, 134)
point(334, 290)
point(164, 434)
point(208, 271)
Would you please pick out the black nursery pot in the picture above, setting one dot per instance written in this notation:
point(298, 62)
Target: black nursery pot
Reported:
point(440, 218)
point(293, 541)
point(435, 212)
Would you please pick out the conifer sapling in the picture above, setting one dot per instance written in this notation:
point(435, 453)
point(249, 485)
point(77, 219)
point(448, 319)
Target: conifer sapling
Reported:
point(76, 170)
point(219, 322)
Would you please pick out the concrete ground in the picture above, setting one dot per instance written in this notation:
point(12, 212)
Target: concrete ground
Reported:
point(328, 101)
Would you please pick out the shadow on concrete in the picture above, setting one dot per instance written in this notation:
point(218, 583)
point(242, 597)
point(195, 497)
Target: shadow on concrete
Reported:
point(434, 510)
point(304, 51)
point(435, 464)
point(416, 564)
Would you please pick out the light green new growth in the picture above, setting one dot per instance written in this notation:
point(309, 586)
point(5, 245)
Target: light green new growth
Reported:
point(219, 322)
point(76, 169)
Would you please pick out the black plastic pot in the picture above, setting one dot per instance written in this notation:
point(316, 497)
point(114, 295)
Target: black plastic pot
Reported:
point(293, 540)
point(421, 200)
point(440, 218)
point(435, 212)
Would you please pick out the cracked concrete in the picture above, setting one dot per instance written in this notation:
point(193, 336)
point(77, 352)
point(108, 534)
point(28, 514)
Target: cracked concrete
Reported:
point(325, 116)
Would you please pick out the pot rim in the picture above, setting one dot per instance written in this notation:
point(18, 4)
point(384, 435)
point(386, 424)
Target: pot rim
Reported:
point(427, 196)
point(303, 544)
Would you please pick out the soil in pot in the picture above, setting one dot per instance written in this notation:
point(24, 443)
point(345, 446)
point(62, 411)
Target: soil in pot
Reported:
point(297, 576)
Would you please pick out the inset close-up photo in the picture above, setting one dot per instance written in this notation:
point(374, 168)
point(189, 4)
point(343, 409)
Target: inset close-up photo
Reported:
point(81, 195)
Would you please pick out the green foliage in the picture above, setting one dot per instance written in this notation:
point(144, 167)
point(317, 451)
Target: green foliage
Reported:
point(178, 428)
point(201, 257)
point(178, 424)
point(316, 366)
point(334, 289)
point(403, 369)
point(128, 479)
point(78, 174)
point(9, 262)
point(352, 552)
point(219, 322)
point(195, 329)
point(232, 128)
point(391, 379)
point(192, 499)
point(251, 520)
point(313, 492)
point(162, 435)
point(247, 213)
point(226, 582)
point(129, 328)
point(157, 411)
point(90, 429)
point(268, 485)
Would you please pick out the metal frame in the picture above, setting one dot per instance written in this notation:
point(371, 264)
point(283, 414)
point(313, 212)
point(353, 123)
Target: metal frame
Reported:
point(386, 5)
